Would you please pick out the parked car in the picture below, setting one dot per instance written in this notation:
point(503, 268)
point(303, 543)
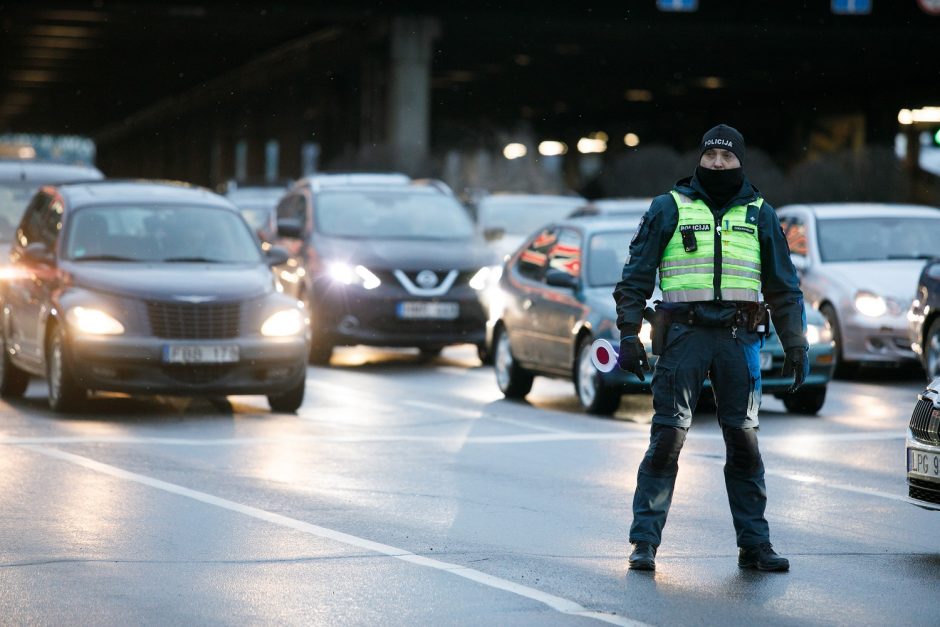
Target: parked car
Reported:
point(859, 265)
point(150, 288)
point(257, 204)
point(923, 449)
point(19, 180)
point(555, 298)
point(387, 261)
point(924, 319)
point(629, 209)
point(506, 219)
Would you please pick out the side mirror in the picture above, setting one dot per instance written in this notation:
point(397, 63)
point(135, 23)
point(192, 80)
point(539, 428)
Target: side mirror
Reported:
point(800, 262)
point(275, 255)
point(560, 278)
point(38, 252)
point(493, 233)
point(290, 227)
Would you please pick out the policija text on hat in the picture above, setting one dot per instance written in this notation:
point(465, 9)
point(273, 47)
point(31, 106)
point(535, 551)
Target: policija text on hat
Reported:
point(723, 262)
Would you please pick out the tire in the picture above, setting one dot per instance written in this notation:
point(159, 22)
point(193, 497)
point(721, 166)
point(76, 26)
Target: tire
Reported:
point(486, 357)
point(320, 352)
point(290, 401)
point(13, 381)
point(513, 380)
point(807, 400)
point(932, 351)
point(594, 396)
point(841, 368)
point(65, 395)
point(430, 352)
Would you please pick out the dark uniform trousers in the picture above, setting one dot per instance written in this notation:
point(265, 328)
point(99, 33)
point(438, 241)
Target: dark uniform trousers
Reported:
point(732, 359)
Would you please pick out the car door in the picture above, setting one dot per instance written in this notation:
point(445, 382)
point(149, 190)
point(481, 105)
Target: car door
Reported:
point(559, 307)
point(522, 314)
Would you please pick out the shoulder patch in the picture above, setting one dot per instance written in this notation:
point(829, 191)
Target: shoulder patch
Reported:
point(639, 227)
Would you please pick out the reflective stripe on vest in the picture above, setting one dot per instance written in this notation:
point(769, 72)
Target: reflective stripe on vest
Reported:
point(690, 276)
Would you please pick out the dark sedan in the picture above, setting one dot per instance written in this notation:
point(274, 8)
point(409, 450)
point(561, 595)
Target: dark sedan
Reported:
point(147, 288)
point(924, 319)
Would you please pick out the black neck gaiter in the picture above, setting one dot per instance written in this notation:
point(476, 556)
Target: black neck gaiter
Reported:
point(720, 185)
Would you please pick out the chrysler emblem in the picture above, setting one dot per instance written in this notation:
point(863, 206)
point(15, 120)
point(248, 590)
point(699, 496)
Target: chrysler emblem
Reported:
point(195, 299)
point(426, 279)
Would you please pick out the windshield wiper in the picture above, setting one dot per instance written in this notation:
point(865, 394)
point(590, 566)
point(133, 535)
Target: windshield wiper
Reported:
point(104, 258)
point(191, 260)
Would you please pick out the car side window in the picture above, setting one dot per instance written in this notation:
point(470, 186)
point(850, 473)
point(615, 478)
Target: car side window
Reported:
point(795, 232)
point(292, 207)
point(31, 225)
point(565, 253)
point(534, 258)
point(51, 222)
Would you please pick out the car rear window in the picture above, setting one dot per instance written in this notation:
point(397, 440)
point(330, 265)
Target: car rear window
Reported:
point(878, 238)
point(607, 252)
point(397, 215)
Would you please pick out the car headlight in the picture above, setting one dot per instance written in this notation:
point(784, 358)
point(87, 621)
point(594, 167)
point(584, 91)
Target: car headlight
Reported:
point(485, 277)
point(818, 334)
point(283, 323)
point(93, 321)
point(348, 274)
point(870, 304)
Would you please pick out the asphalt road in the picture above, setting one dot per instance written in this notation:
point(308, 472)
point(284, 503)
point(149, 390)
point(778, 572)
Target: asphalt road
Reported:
point(409, 492)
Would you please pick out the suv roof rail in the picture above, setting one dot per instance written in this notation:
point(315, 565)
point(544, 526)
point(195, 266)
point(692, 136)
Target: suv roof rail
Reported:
point(318, 181)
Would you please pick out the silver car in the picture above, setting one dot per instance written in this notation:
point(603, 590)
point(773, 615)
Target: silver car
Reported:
point(923, 449)
point(859, 264)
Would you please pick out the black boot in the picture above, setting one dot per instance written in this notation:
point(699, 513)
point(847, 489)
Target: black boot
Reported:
point(762, 557)
point(643, 556)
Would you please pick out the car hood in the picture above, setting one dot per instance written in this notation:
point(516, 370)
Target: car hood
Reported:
point(408, 254)
point(896, 278)
point(176, 281)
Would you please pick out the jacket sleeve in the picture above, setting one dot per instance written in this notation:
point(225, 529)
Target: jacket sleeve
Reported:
point(781, 283)
point(638, 278)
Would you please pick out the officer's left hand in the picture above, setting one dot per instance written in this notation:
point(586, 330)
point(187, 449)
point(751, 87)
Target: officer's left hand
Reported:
point(797, 364)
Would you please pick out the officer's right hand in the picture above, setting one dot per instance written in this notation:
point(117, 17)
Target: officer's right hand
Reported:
point(632, 356)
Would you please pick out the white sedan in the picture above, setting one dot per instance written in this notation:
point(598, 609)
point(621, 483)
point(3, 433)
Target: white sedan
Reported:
point(859, 264)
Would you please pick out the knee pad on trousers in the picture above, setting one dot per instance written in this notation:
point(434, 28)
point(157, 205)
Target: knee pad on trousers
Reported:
point(662, 457)
point(743, 452)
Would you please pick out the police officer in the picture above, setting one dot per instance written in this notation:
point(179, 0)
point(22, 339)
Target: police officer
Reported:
point(718, 247)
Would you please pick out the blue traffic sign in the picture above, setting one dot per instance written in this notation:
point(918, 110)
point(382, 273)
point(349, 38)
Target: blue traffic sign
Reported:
point(677, 5)
point(851, 7)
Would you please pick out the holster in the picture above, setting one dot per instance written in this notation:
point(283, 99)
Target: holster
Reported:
point(758, 318)
point(659, 322)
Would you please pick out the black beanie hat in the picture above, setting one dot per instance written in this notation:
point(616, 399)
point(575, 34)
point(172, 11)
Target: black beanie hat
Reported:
point(726, 137)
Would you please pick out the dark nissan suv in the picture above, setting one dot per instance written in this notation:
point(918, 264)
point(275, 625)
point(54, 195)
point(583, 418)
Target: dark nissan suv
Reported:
point(384, 260)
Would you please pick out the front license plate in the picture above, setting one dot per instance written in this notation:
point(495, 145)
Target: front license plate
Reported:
point(766, 361)
point(923, 463)
point(220, 354)
point(428, 311)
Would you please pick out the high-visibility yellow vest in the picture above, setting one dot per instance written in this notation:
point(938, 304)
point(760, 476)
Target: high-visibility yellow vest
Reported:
point(729, 248)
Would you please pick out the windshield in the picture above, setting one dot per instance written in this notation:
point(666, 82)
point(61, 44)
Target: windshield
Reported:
point(878, 238)
point(391, 214)
point(517, 216)
point(606, 255)
point(157, 233)
point(258, 217)
point(14, 196)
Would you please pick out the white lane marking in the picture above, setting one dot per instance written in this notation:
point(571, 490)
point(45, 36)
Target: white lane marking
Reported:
point(470, 413)
point(559, 604)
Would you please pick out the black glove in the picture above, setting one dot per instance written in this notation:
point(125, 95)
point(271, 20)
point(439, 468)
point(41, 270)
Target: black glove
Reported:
point(632, 356)
point(797, 364)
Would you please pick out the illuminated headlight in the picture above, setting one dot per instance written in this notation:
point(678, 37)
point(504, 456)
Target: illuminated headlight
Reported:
point(646, 333)
point(871, 305)
point(485, 277)
point(283, 323)
point(348, 275)
point(93, 321)
point(817, 334)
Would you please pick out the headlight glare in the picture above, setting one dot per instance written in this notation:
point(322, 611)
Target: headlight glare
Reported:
point(817, 334)
point(486, 276)
point(283, 323)
point(93, 321)
point(869, 304)
point(646, 333)
point(348, 275)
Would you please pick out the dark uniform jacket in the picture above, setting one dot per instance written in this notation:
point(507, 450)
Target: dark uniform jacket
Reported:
point(780, 282)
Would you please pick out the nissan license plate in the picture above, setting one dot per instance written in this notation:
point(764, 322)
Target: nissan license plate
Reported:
point(428, 311)
point(923, 463)
point(200, 354)
point(766, 361)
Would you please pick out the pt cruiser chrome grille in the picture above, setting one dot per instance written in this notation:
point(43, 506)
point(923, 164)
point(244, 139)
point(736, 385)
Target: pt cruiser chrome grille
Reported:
point(204, 321)
point(925, 421)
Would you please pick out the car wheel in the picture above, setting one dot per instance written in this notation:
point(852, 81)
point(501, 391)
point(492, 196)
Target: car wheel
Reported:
point(65, 395)
point(513, 380)
point(290, 401)
point(430, 352)
point(841, 368)
point(595, 397)
point(806, 400)
point(486, 357)
point(13, 381)
point(932, 351)
point(320, 352)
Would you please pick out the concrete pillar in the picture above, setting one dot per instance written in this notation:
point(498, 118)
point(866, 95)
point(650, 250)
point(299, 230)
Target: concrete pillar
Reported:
point(409, 96)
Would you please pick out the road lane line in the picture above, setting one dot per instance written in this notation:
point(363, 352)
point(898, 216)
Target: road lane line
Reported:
point(470, 413)
point(559, 604)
